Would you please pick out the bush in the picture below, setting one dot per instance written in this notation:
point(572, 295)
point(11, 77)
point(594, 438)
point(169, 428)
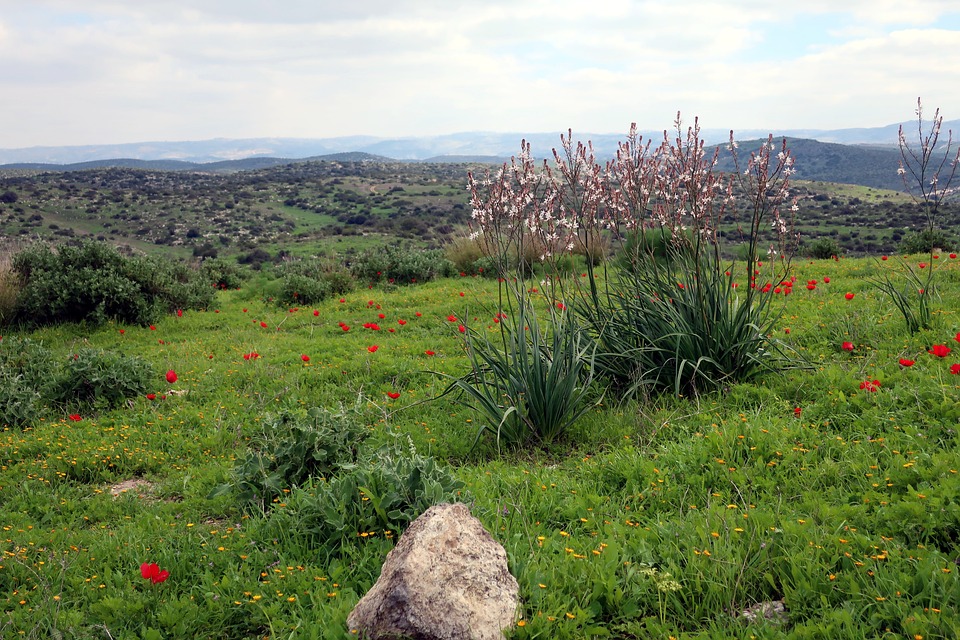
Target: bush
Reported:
point(377, 497)
point(822, 249)
point(401, 265)
point(223, 274)
point(292, 449)
point(311, 281)
point(26, 369)
point(464, 253)
point(92, 282)
point(926, 241)
point(655, 243)
point(98, 379)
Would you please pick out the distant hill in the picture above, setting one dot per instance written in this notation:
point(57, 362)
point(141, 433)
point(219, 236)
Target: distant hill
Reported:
point(868, 166)
point(222, 166)
point(463, 144)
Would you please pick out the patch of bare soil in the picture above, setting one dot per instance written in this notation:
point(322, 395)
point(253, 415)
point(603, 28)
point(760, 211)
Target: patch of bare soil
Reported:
point(139, 485)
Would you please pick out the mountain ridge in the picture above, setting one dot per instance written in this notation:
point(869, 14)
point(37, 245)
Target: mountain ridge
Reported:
point(406, 148)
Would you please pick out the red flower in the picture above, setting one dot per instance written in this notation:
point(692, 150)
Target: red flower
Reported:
point(826, 280)
point(151, 571)
point(811, 286)
point(462, 329)
point(940, 350)
point(452, 318)
point(393, 395)
point(151, 396)
point(870, 385)
point(263, 324)
point(418, 314)
point(315, 313)
point(955, 369)
point(75, 417)
point(171, 376)
point(561, 306)
point(849, 296)
point(430, 353)
point(883, 257)
point(904, 362)
point(372, 348)
point(796, 411)
point(244, 309)
point(381, 316)
point(345, 327)
point(305, 357)
point(342, 300)
point(847, 346)
point(922, 265)
point(179, 313)
point(401, 322)
point(122, 331)
point(958, 336)
point(953, 256)
point(152, 328)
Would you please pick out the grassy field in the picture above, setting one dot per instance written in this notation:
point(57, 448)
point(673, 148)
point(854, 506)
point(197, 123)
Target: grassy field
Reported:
point(833, 488)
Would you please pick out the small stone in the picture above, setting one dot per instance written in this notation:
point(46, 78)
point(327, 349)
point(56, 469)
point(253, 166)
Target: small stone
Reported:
point(770, 611)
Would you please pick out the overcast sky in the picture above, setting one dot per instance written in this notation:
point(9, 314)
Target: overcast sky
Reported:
point(113, 71)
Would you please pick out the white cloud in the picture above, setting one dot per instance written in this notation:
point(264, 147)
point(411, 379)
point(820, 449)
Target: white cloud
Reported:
point(115, 71)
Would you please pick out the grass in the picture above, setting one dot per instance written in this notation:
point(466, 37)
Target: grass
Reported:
point(663, 519)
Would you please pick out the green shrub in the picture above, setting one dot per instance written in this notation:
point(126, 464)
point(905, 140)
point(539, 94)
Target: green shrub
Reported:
point(656, 243)
point(20, 404)
point(92, 282)
point(401, 265)
point(926, 241)
point(101, 379)
point(292, 449)
point(222, 273)
point(822, 249)
point(377, 497)
point(26, 371)
point(311, 281)
point(464, 252)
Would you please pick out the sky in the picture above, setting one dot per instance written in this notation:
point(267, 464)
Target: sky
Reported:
point(117, 71)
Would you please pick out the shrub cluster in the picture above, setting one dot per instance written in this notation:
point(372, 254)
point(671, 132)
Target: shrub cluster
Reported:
point(926, 241)
point(311, 281)
point(222, 273)
point(401, 265)
point(292, 449)
point(92, 282)
point(330, 486)
point(32, 381)
point(822, 249)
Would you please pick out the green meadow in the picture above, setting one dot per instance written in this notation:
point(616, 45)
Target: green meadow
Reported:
point(832, 487)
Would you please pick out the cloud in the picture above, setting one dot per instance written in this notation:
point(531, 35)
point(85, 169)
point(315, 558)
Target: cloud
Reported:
point(111, 71)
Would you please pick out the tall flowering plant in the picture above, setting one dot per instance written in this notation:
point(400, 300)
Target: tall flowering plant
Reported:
point(674, 320)
point(673, 316)
point(927, 168)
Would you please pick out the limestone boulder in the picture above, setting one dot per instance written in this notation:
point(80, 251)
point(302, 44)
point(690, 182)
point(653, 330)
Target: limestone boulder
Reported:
point(447, 579)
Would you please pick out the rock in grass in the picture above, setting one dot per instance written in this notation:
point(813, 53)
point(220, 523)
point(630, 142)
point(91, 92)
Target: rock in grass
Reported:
point(771, 611)
point(447, 579)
